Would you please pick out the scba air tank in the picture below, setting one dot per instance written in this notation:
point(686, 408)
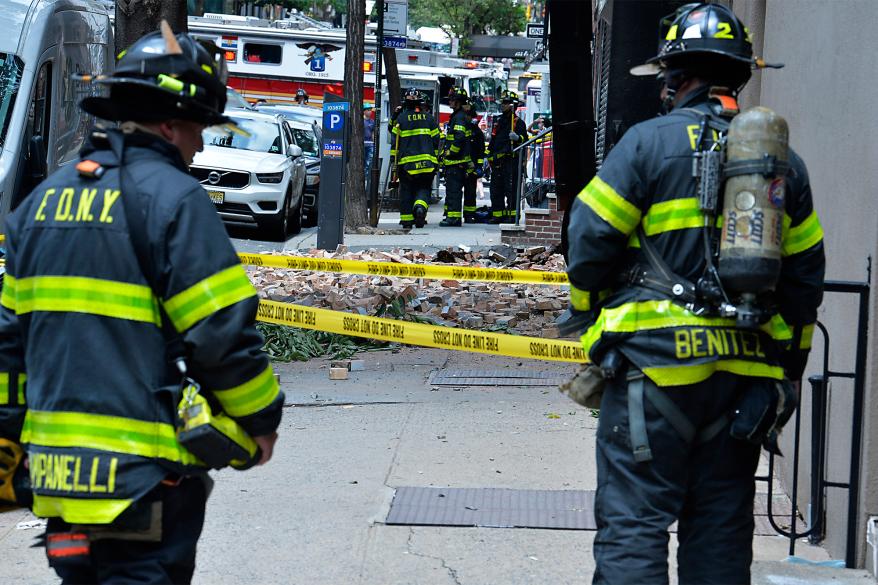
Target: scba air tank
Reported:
point(753, 202)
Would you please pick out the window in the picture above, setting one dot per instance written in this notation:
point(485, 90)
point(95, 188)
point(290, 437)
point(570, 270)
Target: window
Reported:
point(262, 53)
point(39, 112)
point(10, 78)
point(263, 136)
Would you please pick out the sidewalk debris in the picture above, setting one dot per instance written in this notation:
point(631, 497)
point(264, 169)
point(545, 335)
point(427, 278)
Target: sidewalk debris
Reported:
point(527, 309)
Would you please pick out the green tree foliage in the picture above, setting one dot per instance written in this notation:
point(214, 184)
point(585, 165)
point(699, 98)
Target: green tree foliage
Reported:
point(464, 18)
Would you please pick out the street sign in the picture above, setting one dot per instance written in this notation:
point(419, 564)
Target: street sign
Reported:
point(395, 42)
point(396, 18)
point(330, 203)
point(535, 30)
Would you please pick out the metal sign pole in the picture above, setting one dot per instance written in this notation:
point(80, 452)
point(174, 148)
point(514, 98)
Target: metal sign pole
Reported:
point(375, 169)
point(330, 226)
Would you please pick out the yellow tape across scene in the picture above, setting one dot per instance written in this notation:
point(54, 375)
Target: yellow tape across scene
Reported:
point(449, 272)
point(419, 333)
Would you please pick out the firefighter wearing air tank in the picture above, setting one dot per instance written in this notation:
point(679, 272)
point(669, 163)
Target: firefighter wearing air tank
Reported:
point(697, 330)
point(119, 273)
point(509, 131)
point(456, 159)
point(477, 154)
point(414, 140)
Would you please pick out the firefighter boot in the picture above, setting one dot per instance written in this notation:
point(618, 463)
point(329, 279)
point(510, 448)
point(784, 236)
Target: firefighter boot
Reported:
point(450, 222)
point(420, 216)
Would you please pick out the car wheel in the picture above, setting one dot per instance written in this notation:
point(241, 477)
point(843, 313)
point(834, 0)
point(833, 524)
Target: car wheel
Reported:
point(295, 225)
point(278, 224)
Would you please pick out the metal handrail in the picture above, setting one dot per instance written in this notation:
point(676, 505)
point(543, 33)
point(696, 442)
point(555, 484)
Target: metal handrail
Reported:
point(542, 133)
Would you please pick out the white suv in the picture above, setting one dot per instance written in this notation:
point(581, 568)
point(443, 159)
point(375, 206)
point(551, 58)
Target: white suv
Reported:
point(255, 177)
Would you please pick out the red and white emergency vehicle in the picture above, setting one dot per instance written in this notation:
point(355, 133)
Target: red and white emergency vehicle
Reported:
point(268, 62)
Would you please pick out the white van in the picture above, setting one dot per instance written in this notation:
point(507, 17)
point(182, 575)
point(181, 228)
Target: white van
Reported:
point(43, 43)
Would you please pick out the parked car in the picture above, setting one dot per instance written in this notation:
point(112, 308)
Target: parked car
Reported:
point(255, 177)
point(307, 136)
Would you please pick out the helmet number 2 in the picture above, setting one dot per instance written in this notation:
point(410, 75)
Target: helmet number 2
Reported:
point(724, 31)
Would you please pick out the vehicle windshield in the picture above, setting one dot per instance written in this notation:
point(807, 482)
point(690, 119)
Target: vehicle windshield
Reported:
point(306, 140)
point(235, 100)
point(10, 78)
point(263, 136)
point(485, 92)
point(293, 113)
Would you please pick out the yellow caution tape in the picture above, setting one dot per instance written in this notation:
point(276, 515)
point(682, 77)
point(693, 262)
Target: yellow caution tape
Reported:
point(449, 272)
point(419, 334)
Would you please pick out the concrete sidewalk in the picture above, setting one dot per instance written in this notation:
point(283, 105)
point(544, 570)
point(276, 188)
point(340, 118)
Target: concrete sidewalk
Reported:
point(314, 514)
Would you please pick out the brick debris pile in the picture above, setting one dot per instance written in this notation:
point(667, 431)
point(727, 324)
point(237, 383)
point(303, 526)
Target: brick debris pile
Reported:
point(526, 309)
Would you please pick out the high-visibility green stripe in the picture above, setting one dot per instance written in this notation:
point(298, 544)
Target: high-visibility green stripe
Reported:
point(610, 206)
point(80, 510)
point(649, 315)
point(807, 336)
point(7, 297)
point(76, 294)
point(421, 171)
point(675, 214)
point(251, 396)
point(416, 132)
point(419, 157)
point(223, 289)
point(455, 214)
point(454, 148)
point(406, 217)
point(803, 236)
point(677, 375)
point(580, 299)
point(422, 203)
point(459, 128)
point(5, 395)
point(105, 433)
point(455, 161)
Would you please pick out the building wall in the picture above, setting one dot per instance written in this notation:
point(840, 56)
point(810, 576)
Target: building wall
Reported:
point(826, 94)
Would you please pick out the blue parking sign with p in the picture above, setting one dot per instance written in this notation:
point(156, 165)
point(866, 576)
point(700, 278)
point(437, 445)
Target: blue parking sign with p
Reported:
point(333, 121)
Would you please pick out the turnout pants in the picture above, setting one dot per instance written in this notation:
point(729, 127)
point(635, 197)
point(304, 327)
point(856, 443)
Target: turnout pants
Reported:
point(469, 197)
point(413, 190)
point(706, 485)
point(153, 542)
point(503, 188)
point(455, 178)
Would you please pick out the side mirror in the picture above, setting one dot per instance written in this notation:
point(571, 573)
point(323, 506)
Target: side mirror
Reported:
point(37, 165)
point(294, 151)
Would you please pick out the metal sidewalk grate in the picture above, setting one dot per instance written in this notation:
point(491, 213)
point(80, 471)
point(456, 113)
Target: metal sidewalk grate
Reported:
point(507, 377)
point(509, 508)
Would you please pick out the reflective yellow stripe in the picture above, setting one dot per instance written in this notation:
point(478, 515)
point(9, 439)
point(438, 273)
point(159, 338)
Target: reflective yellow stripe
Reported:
point(418, 157)
point(610, 206)
point(406, 217)
point(5, 397)
point(115, 434)
point(692, 374)
point(416, 132)
point(580, 299)
point(803, 236)
point(459, 128)
point(251, 396)
point(422, 203)
point(807, 336)
point(676, 214)
point(421, 171)
point(647, 315)
point(223, 289)
point(79, 510)
point(7, 297)
point(94, 296)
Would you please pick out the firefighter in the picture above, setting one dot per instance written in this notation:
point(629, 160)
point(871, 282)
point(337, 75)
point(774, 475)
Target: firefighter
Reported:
point(685, 382)
point(508, 132)
point(456, 159)
point(414, 142)
point(477, 154)
point(95, 308)
point(302, 97)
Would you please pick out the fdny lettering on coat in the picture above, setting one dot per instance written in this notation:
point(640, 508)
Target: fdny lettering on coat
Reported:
point(696, 342)
point(77, 205)
point(73, 473)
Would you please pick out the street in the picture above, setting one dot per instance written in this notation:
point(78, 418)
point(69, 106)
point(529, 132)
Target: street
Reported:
point(315, 513)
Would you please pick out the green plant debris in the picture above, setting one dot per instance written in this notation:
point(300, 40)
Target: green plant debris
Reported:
point(287, 344)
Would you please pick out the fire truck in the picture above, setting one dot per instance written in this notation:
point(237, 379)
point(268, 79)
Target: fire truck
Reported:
point(271, 63)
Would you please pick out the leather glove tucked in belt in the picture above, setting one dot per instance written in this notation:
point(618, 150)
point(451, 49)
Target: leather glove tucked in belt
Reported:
point(14, 482)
